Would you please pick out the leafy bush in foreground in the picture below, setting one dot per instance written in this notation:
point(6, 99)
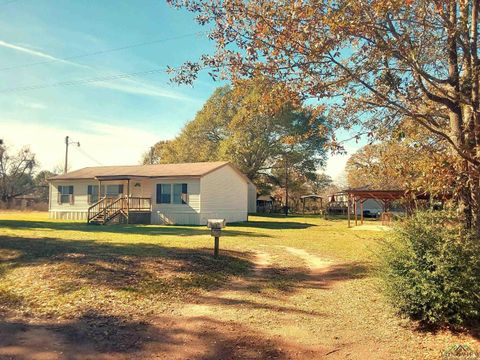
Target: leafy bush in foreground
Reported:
point(431, 273)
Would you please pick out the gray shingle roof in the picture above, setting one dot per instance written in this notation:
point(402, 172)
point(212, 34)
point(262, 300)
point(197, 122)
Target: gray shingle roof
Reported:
point(153, 171)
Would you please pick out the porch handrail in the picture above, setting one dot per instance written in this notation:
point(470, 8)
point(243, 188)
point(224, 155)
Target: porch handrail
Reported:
point(93, 206)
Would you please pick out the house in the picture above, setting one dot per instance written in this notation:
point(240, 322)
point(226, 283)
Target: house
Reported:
point(265, 204)
point(188, 193)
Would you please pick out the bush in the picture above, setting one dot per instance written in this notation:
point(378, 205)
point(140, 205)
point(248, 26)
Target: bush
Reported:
point(431, 272)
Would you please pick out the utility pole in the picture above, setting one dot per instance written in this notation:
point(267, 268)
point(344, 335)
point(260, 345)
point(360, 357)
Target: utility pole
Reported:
point(152, 149)
point(68, 142)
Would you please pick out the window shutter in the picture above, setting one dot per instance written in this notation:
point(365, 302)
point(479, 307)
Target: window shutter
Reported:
point(70, 198)
point(159, 193)
point(185, 193)
point(59, 194)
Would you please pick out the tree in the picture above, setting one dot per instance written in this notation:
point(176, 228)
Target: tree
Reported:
point(40, 183)
point(373, 166)
point(407, 160)
point(370, 63)
point(320, 183)
point(155, 153)
point(255, 125)
point(16, 173)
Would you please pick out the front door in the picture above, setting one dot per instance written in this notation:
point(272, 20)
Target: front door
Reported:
point(136, 189)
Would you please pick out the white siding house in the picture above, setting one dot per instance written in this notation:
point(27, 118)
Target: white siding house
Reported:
point(157, 194)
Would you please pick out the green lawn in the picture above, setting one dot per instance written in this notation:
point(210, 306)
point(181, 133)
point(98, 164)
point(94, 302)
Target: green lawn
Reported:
point(297, 287)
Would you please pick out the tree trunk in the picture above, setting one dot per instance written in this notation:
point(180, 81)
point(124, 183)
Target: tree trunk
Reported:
point(475, 201)
point(465, 198)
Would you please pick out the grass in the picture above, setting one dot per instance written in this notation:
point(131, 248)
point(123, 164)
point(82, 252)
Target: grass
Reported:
point(125, 274)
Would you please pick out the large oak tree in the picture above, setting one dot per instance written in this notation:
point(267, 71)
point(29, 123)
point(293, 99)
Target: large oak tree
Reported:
point(256, 125)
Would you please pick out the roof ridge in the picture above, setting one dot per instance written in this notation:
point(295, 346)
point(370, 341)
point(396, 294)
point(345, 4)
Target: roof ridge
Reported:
point(200, 168)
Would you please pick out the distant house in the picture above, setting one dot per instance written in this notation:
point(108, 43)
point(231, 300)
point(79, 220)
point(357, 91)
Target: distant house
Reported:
point(265, 203)
point(31, 201)
point(188, 193)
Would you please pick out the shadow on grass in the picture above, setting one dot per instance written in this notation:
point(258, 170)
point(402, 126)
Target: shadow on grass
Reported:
point(123, 228)
point(154, 270)
point(135, 267)
point(93, 335)
point(273, 225)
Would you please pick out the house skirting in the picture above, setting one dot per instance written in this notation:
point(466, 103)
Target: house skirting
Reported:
point(68, 215)
point(159, 217)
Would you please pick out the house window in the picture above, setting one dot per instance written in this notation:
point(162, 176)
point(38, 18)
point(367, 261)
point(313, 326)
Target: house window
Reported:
point(164, 193)
point(114, 191)
point(180, 194)
point(93, 193)
point(65, 194)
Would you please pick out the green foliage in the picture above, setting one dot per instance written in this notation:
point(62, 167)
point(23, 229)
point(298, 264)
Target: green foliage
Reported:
point(431, 272)
point(254, 125)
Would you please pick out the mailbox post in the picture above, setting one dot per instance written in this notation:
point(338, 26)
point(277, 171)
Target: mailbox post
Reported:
point(216, 226)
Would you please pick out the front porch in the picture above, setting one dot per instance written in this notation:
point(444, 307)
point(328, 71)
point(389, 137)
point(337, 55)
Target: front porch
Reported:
point(117, 202)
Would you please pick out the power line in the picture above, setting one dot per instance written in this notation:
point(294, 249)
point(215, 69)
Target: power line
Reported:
point(84, 153)
point(83, 81)
point(100, 52)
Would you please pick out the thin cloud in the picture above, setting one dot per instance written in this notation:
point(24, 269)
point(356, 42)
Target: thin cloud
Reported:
point(31, 105)
point(141, 88)
point(129, 86)
point(37, 53)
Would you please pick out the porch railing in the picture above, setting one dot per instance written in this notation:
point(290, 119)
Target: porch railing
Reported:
point(108, 207)
point(139, 204)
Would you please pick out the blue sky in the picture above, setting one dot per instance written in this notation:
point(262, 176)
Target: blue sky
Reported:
point(115, 120)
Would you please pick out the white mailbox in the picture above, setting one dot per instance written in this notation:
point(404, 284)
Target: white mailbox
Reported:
point(216, 226)
point(216, 223)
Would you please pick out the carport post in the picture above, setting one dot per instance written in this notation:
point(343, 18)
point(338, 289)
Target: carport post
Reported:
point(348, 210)
point(361, 211)
point(355, 209)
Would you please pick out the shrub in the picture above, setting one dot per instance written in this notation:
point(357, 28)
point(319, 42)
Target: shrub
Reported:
point(431, 272)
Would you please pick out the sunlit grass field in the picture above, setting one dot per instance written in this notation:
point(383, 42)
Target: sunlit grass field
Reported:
point(66, 271)
point(59, 268)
